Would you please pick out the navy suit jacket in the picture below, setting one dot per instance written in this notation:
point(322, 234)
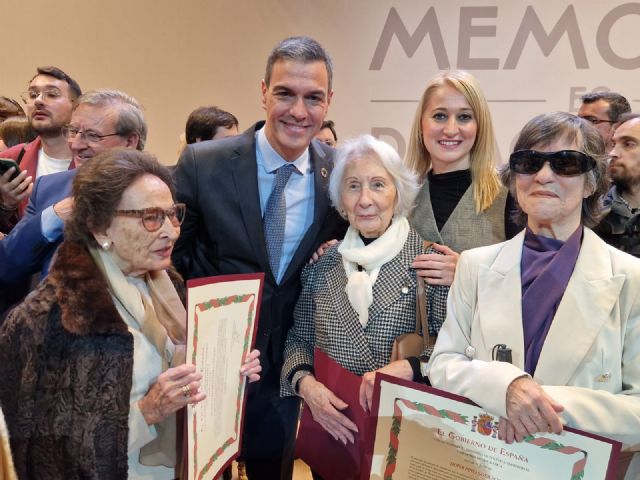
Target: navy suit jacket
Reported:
point(25, 250)
point(223, 231)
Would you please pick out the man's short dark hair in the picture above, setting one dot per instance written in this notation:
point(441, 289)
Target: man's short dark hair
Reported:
point(299, 49)
point(55, 72)
point(330, 124)
point(617, 103)
point(625, 117)
point(203, 123)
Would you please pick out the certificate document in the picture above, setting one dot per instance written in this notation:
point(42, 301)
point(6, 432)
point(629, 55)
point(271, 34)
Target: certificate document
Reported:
point(425, 433)
point(222, 314)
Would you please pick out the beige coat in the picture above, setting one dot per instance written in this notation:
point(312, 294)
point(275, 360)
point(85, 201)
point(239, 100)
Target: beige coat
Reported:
point(590, 361)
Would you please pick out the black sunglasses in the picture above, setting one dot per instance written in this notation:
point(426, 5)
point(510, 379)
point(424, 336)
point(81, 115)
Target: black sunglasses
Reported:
point(564, 162)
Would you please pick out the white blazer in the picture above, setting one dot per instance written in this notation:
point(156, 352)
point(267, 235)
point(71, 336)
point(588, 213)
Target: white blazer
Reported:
point(590, 361)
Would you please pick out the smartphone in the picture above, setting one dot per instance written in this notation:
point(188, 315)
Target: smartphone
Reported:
point(6, 164)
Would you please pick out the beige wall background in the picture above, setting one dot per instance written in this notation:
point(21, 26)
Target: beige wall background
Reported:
point(174, 56)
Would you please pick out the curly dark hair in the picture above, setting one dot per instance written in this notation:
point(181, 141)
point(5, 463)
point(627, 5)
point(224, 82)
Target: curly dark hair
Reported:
point(99, 185)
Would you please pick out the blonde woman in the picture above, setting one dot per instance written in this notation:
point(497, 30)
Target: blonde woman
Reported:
point(462, 203)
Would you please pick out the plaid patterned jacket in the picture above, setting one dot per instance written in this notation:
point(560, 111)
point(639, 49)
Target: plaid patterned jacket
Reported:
point(323, 316)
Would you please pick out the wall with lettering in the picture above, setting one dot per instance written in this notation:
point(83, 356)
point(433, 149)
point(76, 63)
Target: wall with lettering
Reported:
point(530, 57)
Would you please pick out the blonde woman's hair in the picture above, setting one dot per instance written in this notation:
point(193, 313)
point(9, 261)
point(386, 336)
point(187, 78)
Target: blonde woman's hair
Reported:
point(484, 177)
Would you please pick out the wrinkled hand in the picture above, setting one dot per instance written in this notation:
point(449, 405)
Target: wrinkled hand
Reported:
point(399, 369)
point(437, 268)
point(325, 408)
point(321, 249)
point(251, 366)
point(529, 410)
point(166, 396)
point(14, 191)
point(64, 208)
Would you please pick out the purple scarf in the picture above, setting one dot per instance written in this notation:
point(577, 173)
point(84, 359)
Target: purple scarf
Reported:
point(546, 266)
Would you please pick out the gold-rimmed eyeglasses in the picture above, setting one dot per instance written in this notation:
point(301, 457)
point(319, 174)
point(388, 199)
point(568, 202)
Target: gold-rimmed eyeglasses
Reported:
point(153, 217)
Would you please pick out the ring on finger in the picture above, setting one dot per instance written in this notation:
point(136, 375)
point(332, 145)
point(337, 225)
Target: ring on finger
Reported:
point(186, 391)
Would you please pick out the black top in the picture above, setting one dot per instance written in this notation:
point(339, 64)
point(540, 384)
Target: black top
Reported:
point(446, 190)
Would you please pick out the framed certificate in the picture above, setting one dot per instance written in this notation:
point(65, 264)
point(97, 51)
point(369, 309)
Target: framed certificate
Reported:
point(425, 433)
point(222, 318)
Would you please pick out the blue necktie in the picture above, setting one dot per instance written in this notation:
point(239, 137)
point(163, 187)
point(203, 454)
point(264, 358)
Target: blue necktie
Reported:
point(275, 217)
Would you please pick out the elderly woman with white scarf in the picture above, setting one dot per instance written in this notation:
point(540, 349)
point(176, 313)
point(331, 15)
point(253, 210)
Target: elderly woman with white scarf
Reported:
point(361, 294)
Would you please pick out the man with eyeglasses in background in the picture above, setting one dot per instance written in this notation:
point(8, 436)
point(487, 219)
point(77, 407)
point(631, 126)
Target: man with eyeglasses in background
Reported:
point(48, 105)
point(603, 109)
point(101, 120)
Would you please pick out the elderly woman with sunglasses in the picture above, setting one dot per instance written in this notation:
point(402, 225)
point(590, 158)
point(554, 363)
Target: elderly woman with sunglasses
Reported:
point(561, 299)
point(92, 362)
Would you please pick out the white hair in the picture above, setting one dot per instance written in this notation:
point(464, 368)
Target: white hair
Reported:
point(404, 179)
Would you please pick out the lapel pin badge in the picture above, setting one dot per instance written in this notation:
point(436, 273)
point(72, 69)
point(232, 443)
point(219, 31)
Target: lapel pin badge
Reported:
point(324, 172)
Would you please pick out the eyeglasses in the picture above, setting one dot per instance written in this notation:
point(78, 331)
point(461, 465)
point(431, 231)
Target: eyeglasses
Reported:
point(153, 217)
point(48, 95)
point(90, 137)
point(567, 163)
point(595, 120)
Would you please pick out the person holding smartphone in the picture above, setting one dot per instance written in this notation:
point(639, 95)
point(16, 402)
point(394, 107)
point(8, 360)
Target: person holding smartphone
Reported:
point(48, 104)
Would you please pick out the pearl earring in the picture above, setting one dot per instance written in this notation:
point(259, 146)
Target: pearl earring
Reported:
point(105, 245)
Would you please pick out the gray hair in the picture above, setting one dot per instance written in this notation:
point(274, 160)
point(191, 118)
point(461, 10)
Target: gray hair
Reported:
point(130, 116)
point(404, 179)
point(299, 49)
point(543, 130)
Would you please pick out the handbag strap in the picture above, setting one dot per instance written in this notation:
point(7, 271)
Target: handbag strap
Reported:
point(422, 313)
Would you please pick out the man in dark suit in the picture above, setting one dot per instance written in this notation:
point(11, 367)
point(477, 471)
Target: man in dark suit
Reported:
point(227, 185)
point(101, 120)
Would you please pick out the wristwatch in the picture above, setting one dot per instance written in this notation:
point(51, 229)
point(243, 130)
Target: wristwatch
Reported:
point(424, 368)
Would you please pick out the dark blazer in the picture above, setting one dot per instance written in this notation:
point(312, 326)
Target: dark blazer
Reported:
point(25, 250)
point(223, 230)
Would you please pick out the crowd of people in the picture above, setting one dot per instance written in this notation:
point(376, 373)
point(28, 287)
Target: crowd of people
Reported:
point(97, 239)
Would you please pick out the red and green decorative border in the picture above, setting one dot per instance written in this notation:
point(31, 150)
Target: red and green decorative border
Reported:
point(396, 423)
point(204, 306)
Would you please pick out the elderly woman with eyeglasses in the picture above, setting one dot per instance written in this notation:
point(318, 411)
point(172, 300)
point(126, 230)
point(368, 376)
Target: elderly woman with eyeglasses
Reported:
point(92, 362)
point(561, 299)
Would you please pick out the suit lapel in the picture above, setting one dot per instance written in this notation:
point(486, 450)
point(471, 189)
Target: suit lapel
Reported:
point(348, 317)
point(322, 167)
point(499, 302)
point(245, 176)
point(585, 306)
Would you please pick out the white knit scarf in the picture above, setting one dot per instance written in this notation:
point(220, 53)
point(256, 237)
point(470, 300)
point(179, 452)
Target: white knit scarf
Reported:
point(370, 257)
